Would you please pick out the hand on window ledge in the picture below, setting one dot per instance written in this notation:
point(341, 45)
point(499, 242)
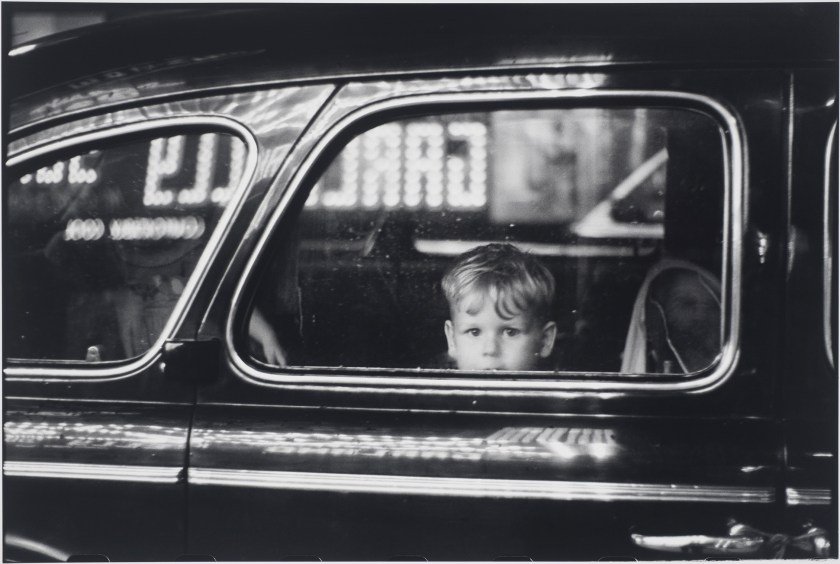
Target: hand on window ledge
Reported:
point(266, 339)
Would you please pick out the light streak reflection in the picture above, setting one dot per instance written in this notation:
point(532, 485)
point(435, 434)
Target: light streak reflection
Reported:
point(48, 434)
point(512, 443)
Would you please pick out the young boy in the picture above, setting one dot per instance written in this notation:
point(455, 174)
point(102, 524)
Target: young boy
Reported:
point(500, 300)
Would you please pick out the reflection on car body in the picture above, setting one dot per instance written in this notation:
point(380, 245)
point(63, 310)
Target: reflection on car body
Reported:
point(223, 304)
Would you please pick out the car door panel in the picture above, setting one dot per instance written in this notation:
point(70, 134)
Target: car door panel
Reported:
point(118, 472)
point(810, 393)
point(368, 485)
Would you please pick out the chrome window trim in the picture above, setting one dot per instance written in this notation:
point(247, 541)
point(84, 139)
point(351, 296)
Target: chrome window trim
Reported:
point(808, 496)
point(828, 247)
point(134, 366)
point(499, 488)
point(734, 148)
point(49, 553)
point(107, 472)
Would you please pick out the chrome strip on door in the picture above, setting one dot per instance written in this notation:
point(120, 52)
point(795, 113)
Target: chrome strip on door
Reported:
point(474, 487)
point(808, 496)
point(414, 485)
point(110, 472)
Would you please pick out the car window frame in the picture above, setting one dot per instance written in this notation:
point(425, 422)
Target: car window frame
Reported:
point(62, 144)
point(527, 383)
point(829, 246)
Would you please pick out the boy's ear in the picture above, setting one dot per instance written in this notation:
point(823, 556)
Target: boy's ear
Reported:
point(549, 332)
point(450, 339)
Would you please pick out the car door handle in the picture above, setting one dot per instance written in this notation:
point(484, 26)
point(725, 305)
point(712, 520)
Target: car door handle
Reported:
point(743, 540)
point(701, 544)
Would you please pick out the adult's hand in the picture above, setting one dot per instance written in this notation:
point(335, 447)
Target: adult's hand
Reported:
point(260, 330)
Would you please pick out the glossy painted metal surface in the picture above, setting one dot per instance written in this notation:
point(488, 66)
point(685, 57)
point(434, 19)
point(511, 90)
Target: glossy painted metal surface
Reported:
point(370, 485)
point(96, 437)
point(103, 67)
point(144, 82)
point(366, 483)
point(580, 459)
point(809, 388)
point(273, 116)
point(70, 468)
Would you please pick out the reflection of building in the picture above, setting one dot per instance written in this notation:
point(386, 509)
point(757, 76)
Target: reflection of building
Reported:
point(555, 167)
point(429, 164)
point(536, 167)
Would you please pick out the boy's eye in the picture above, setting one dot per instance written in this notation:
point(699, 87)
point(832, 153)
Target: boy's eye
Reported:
point(512, 332)
point(473, 332)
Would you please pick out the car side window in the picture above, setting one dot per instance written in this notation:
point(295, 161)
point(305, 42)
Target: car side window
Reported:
point(624, 206)
point(101, 241)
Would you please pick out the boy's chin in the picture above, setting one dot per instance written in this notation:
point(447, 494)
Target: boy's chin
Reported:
point(496, 368)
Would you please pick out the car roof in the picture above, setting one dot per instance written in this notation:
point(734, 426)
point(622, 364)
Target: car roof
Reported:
point(183, 49)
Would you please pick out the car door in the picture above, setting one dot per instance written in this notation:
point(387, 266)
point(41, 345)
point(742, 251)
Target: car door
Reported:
point(115, 223)
point(346, 436)
point(811, 383)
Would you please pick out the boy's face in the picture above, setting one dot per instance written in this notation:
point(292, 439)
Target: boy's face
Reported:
point(480, 339)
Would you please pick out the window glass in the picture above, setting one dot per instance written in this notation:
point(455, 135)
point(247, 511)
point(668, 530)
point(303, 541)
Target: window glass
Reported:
point(100, 244)
point(623, 206)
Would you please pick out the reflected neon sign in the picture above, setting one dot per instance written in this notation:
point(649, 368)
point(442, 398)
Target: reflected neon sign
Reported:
point(414, 165)
point(76, 173)
point(563, 442)
point(135, 228)
point(182, 173)
point(166, 161)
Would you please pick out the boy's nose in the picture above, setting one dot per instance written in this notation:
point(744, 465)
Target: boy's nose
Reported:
point(491, 345)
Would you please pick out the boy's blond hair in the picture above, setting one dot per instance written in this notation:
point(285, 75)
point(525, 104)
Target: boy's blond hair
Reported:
point(520, 282)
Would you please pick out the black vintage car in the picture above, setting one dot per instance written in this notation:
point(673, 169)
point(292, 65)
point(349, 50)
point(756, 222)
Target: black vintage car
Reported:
point(224, 233)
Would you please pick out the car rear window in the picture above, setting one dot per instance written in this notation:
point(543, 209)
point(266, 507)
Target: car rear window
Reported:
point(100, 242)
